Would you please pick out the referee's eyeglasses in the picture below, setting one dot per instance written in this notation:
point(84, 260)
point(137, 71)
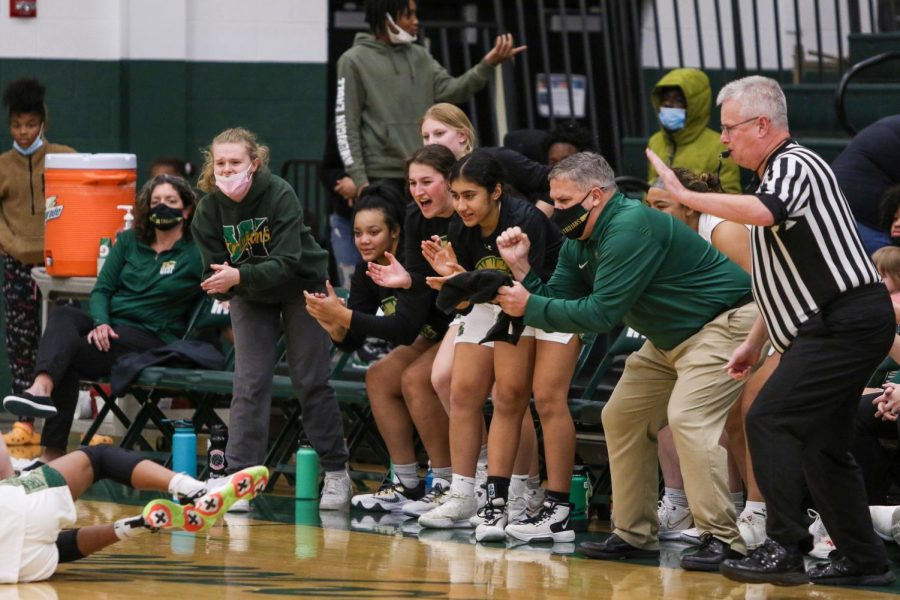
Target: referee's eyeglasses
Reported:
point(727, 129)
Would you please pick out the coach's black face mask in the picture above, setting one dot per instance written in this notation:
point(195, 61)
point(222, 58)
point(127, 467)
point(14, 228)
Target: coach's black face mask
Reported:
point(572, 221)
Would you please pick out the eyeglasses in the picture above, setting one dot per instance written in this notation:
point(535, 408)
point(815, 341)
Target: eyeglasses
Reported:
point(727, 129)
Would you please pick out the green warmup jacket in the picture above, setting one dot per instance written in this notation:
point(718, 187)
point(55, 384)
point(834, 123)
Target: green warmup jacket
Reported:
point(264, 237)
point(382, 92)
point(641, 267)
point(696, 146)
point(140, 288)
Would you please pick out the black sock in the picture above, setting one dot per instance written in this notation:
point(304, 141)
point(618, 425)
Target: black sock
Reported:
point(497, 487)
point(558, 497)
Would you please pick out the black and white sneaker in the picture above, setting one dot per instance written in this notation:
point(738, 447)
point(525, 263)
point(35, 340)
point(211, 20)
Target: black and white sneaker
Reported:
point(550, 524)
point(30, 405)
point(391, 496)
point(433, 499)
point(492, 527)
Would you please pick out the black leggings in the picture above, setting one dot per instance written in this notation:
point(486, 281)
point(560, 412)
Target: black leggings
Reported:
point(67, 357)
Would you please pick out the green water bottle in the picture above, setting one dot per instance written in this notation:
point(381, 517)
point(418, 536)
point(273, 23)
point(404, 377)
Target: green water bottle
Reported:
point(580, 498)
point(307, 475)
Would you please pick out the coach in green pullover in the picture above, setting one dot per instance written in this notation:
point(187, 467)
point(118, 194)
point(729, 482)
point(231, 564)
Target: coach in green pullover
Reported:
point(625, 262)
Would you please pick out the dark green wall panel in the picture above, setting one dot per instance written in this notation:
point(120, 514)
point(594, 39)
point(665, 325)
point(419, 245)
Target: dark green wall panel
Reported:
point(173, 107)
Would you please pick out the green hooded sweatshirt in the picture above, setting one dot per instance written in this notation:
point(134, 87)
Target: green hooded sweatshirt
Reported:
point(264, 237)
point(382, 92)
point(695, 147)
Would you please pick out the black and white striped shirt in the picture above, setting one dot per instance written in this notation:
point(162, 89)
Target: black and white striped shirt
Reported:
point(812, 253)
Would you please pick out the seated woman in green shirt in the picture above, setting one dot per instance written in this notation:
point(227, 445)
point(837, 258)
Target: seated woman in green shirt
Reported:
point(142, 298)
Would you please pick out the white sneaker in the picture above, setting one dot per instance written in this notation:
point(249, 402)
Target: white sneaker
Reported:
point(520, 508)
point(432, 499)
point(454, 512)
point(534, 500)
point(690, 536)
point(481, 476)
point(673, 520)
point(551, 524)
point(493, 522)
point(822, 544)
point(883, 519)
point(752, 525)
point(391, 496)
point(336, 490)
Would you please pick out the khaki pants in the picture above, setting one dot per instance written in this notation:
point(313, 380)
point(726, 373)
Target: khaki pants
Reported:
point(688, 388)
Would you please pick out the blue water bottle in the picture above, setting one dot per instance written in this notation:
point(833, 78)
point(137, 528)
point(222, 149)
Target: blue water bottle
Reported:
point(184, 448)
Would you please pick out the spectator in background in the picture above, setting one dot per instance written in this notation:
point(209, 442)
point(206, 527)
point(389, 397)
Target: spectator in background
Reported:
point(171, 165)
point(385, 82)
point(682, 99)
point(865, 169)
point(567, 139)
point(22, 235)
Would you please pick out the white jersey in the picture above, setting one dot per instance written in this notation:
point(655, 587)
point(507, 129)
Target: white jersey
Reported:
point(12, 531)
point(33, 510)
point(706, 226)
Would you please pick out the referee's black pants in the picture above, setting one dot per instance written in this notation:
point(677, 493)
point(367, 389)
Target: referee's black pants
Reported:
point(801, 426)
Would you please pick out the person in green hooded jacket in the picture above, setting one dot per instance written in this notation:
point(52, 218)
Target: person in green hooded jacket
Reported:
point(385, 82)
point(682, 100)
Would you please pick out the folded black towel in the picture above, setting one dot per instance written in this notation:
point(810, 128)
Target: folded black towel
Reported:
point(477, 287)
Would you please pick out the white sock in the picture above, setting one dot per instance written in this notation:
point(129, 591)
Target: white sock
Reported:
point(407, 474)
point(738, 499)
point(754, 506)
point(534, 481)
point(677, 497)
point(517, 485)
point(186, 486)
point(129, 527)
point(462, 485)
point(482, 458)
point(445, 473)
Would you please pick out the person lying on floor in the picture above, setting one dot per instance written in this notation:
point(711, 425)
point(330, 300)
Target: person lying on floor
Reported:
point(37, 509)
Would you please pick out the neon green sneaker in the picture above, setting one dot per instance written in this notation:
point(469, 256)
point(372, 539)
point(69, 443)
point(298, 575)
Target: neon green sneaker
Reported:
point(243, 485)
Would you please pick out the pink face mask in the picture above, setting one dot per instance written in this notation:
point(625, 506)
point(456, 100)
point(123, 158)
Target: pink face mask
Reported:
point(235, 186)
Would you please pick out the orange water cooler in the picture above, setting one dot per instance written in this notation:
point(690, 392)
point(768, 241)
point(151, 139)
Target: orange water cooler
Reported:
point(86, 197)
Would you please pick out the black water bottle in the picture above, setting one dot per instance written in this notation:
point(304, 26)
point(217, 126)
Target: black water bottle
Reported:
point(218, 438)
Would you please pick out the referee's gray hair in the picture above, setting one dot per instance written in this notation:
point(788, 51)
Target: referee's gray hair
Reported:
point(586, 170)
point(757, 96)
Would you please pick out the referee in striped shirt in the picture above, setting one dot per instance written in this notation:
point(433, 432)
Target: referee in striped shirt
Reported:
point(822, 306)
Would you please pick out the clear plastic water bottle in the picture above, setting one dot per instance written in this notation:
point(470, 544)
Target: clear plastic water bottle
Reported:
point(184, 448)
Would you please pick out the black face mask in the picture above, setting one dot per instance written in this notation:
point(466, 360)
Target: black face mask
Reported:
point(572, 221)
point(165, 217)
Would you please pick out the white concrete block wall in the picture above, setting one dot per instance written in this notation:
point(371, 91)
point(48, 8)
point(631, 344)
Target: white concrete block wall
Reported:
point(194, 30)
point(768, 49)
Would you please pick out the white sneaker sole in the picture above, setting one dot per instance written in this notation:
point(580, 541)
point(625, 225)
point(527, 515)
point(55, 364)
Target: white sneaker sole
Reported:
point(444, 523)
point(412, 511)
point(376, 506)
point(560, 536)
point(23, 407)
point(490, 534)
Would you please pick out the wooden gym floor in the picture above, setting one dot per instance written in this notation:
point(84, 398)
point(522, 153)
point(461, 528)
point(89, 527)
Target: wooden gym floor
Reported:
point(288, 548)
